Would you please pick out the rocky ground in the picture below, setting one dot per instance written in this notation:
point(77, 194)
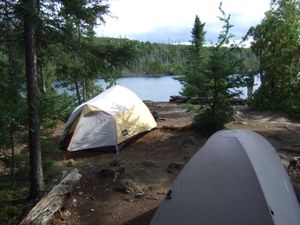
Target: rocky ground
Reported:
point(127, 188)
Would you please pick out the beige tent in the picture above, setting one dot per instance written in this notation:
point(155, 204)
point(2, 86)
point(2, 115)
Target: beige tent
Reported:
point(109, 119)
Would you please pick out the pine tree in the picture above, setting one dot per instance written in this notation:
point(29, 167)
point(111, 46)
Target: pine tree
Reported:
point(212, 79)
point(194, 79)
point(36, 171)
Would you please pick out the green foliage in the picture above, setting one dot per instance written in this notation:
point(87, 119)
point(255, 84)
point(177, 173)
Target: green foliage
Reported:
point(22, 166)
point(194, 77)
point(47, 166)
point(290, 105)
point(55, 108)
point(210, 76)
point(10, 208)
point(189, 107)
point(276, 44)
point(156, 59)
point(198, 39)
point(209, 123)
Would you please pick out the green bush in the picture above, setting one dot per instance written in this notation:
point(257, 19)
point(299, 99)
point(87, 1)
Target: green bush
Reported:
point(208, 123)
point(22, 166)
point(10, 212)
point(47, 166)
point(289, 104)
point(189, 107)
point(9, 209)
point(55, 108)
point(49, 148)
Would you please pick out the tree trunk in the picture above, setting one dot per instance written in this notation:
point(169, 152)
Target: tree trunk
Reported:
point(36, 171)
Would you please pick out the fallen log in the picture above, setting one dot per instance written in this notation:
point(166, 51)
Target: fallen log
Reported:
point(43, 211)
point(178, 99)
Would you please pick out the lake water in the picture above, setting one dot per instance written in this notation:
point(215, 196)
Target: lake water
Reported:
point(159, 88)
point(150, 88)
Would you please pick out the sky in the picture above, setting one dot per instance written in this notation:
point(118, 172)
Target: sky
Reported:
point(171, 21)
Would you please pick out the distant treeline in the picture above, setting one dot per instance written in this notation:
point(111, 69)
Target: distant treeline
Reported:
point(167, 59)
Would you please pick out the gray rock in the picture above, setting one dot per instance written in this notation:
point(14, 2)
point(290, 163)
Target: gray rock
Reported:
point(69, 163)
point(130, 187)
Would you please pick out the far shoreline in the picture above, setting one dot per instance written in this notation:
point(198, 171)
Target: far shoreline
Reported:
point(150, 75)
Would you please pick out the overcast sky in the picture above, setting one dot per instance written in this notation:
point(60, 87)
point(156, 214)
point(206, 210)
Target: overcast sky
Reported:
point(171, 21)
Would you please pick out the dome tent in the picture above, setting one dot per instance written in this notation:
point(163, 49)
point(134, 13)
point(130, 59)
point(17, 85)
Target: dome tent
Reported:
point(107, 120)
point(236, 178)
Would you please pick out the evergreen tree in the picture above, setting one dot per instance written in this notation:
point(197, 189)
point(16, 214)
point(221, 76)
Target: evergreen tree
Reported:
point(213, 82)
point(36, 171)
point(198, 40)
point(12, 103)
point(194, 78)
point(44, 20)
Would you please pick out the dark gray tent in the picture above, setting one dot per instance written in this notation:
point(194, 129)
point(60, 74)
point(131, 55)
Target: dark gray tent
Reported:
point(235, 179)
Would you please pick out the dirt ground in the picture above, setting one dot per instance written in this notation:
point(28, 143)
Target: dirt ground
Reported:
point(127, 188)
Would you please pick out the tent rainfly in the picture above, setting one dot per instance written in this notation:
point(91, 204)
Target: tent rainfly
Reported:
point(107, 120)
point(235, 179)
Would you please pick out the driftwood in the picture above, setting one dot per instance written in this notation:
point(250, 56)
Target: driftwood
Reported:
point(42, 212)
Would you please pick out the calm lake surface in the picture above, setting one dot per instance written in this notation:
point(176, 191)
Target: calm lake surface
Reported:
point(160, 88)
point(157, 88)
point(150, 88)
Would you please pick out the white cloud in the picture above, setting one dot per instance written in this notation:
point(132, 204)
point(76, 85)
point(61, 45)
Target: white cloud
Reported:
point(131, 18)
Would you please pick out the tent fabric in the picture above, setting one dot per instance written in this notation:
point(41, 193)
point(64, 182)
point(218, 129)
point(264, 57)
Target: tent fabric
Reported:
point(109, 119)
point(236, 178)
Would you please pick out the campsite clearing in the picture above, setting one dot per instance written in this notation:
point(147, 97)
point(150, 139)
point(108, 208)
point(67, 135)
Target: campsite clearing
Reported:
point(127, 188)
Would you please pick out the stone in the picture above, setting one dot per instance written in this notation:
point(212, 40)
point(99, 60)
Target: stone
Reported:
point(129, 187)
point(69, 163)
